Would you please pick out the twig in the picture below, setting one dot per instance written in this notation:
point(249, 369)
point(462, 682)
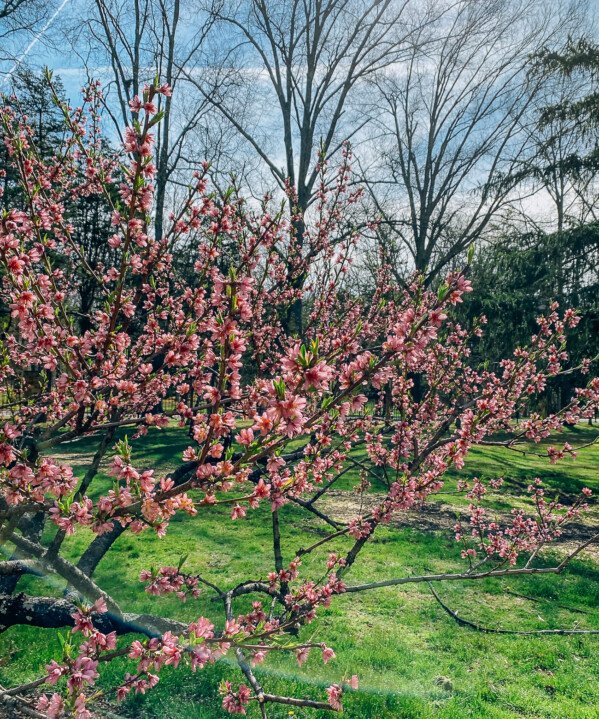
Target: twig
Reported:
point(19, 703)
point(492, 630)
point(292, 701)
point(523, 571)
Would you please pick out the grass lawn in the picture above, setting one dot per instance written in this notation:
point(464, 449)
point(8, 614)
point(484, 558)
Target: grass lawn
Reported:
point(413, 660)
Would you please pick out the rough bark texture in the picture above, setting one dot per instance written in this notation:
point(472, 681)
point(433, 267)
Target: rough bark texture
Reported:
point(54, 613)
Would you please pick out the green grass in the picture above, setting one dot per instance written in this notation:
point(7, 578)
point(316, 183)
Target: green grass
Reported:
point(398, 640)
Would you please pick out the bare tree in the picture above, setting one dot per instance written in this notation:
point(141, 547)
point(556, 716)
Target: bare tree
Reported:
point(452, 125)
point(141, 39)
point(288, 74)
point(10, 8)
point(21, 14)
point(18, 20)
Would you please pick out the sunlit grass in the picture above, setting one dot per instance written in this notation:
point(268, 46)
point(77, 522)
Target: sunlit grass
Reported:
point(412, 659)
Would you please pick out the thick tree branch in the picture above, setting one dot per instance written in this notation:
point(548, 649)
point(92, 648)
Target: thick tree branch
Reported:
point(53, 613)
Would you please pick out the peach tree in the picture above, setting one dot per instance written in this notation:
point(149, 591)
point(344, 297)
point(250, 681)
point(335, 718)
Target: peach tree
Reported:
point(274, 417)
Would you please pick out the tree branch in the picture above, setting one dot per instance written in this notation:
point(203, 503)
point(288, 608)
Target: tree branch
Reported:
point(492, 630)
point(53, 613)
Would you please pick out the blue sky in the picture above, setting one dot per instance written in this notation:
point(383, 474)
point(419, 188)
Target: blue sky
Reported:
point(36, 53)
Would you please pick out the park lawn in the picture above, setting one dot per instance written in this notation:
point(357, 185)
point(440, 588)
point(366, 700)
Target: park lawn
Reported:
point(413, 660)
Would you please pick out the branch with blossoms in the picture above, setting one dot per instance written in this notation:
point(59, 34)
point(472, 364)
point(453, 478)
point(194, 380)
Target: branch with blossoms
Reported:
point(274, 417)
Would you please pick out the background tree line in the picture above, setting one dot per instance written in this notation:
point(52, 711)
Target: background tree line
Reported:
point(470, 123)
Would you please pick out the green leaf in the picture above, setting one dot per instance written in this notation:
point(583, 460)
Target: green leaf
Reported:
point(279, 386)
point(156, 119)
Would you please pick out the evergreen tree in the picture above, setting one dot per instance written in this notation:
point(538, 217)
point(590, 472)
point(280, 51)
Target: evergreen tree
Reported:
point(518, 278)
point(578, 60)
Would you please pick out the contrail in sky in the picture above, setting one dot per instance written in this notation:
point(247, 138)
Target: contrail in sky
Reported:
point(33, 43)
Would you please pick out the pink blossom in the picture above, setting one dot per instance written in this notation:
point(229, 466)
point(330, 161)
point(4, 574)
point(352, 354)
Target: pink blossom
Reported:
point(334, 693)
point(327, 654)
point(238, 512)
